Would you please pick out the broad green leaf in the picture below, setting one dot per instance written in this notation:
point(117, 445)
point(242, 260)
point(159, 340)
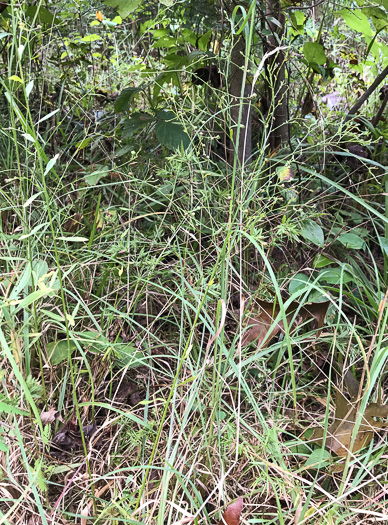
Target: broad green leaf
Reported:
point(158, 33)
point(52, 315)
point(373, 49)
point(83, 143)
point(23, 281)
point(321, 261)
point(335, 276)
point(378, 17)
point(124, 7)
point(166, 115)
point(93, 341)
point(384, 49)
point(298, 282)
point(357, 21)
point(168, 3)
point(125, 98)
point(91, 38)
point(203, 42)
point(43, 15)
point(298, 17)
point(351, 240)
point(189, 36)
point(172, 135)
point(57, 351)
point(165, 41)
point(318, 458)
point(384, 245)
point(129, 356)
point(311, 231)
point(93, 178)
point(314, 53)
point(40, 268)
point(136, 123)
point(167, 77)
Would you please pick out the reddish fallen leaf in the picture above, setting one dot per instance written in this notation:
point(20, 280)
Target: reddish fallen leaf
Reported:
point(232, 514)
point(49, 417)
point(263, 323)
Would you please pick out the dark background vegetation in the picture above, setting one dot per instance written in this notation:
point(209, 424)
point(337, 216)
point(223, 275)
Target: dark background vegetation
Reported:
point(194, 261)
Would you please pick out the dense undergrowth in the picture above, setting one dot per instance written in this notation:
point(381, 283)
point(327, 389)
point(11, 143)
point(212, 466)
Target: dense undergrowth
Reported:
point(131, 269)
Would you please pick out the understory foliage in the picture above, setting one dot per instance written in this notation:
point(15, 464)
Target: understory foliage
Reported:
point(193, 262)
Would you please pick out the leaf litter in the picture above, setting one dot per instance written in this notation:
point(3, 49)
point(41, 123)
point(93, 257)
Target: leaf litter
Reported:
point(69, 437)
point(262, 324)
point(49, 416)
point(340, 437)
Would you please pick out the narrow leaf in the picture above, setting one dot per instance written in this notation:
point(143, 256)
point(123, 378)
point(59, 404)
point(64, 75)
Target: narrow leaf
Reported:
point(51, 164)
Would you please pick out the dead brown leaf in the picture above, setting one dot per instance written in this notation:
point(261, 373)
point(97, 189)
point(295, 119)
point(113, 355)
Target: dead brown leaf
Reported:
point(69, 437)
point(125, 389)
point(232, 514)
point(73, 224)
point(263, 323)
point(339, 435)
point(49, 417)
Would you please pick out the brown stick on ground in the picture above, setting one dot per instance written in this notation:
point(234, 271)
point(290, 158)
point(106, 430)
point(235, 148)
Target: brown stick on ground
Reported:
point(367, 94)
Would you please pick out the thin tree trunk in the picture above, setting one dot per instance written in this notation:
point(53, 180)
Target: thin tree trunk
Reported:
point(243, 149)
point(276, 82)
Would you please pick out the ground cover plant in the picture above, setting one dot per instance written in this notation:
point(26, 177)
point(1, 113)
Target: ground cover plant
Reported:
point(194, 262)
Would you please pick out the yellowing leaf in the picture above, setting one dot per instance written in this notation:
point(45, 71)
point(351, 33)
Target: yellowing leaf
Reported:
point(99, 16)
point(285, 174)
point(15, 78)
